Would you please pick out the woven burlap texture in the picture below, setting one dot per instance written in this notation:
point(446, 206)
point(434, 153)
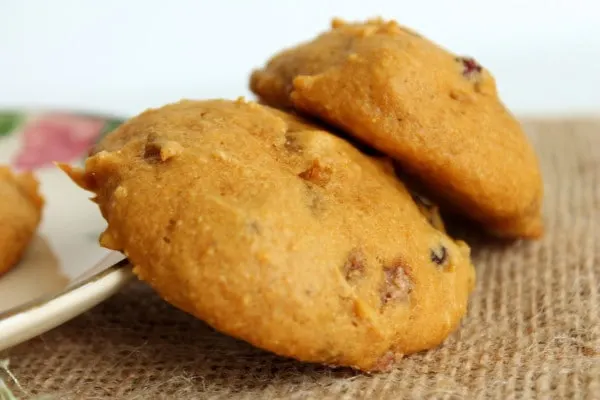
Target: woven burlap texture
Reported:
point(532, 331)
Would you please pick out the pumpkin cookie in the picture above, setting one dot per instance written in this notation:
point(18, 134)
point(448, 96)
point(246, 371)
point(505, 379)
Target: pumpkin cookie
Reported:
point(438, 114)
point(277, 232)
point(20, 213)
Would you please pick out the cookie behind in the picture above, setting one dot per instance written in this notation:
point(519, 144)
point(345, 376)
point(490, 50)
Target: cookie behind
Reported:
point(438, 114)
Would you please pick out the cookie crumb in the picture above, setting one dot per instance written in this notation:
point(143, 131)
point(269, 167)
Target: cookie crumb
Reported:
point(120, 192)
point(337, 23)
point(367, 30)
point(389, 27)
point(397, 285)
point(108, 240)
point(160, 149)
point(355, 265)
point(439, 256)
point(318, 174)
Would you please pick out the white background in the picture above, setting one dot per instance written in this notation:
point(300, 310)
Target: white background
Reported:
point(124, 56)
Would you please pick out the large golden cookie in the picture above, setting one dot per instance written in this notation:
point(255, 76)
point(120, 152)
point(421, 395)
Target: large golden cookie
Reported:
point(438, 114)
point(277, 232)
point(20, 213)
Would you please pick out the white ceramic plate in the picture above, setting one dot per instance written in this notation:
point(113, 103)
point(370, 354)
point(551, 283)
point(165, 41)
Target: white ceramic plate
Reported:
point(64, 272)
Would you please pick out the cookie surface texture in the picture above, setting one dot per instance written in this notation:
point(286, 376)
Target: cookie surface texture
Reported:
point(436, 113)
point(20, 213)
point(277, 232)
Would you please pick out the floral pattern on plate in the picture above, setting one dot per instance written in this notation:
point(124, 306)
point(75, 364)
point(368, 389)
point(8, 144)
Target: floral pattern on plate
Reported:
point(65, 270)
point(59, 137)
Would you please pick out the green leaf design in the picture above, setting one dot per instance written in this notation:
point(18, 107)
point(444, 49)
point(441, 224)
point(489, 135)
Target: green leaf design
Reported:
point(9, 121)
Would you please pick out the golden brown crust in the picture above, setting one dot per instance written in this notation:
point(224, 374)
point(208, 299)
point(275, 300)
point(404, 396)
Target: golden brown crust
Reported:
point(279, 233)
point(439, 115)
point(20, 213)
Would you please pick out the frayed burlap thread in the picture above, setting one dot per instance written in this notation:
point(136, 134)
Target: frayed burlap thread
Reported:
point(532, 331)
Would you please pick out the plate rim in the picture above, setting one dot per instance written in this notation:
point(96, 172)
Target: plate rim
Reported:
point(41, 300)
point(122, 271)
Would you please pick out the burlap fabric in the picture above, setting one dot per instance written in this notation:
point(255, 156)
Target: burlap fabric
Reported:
point(533, 329)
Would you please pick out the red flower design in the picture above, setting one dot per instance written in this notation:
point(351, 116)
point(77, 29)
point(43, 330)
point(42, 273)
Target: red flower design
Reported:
point(56, 137)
